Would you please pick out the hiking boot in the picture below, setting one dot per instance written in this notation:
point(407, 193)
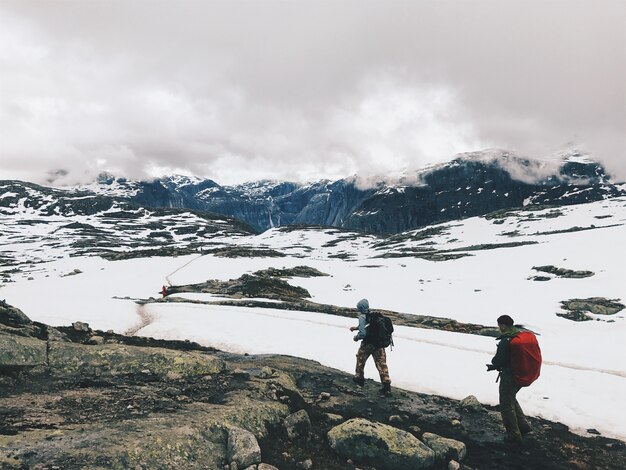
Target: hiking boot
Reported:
point(360, 381)
point(525, 430)
point(386, 388)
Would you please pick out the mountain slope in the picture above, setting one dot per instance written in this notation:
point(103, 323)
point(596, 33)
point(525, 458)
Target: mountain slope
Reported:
point(472, 184)
point(51, 224)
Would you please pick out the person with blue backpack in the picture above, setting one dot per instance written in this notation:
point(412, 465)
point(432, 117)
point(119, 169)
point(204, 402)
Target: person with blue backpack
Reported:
point(374, 332)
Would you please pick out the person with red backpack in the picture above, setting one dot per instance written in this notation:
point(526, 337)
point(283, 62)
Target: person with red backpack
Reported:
point(518, 358)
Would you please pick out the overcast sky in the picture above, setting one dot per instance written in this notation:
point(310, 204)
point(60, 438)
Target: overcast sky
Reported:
point(302, 90)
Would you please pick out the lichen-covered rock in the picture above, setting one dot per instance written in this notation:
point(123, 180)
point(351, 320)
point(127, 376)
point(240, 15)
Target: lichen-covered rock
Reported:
point(471, 403)
point(595, 305)
point(20, 352)
point(266, 466)
point(80, 326)
point(243, 448)
point(71, 358)
point(444, 447)
point(55, 335)
point(192, 438)
point(298, 424)
point(333, 418)
point(380, 445)
point(12, 316)
point(266, 373)
point(454, 465)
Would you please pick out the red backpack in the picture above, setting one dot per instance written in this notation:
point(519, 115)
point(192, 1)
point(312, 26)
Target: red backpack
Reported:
point(525, 358)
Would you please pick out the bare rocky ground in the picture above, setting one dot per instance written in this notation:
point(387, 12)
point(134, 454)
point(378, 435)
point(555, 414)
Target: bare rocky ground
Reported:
point(76, 398)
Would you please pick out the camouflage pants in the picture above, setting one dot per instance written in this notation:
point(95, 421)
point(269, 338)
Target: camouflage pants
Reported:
point(512, 415)
point(380, 360)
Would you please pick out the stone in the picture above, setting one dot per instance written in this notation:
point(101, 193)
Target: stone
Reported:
point(415, 429)
point(56, 335)
point(380, 445)
point(395, 419)
point(471, 403)
point(456, 423)
point(95, 339)
point(444, 447)
point(324, 396)
point(297, 424)
point(266, 373)
point(80, 326)
point(243, 448)
point(305, 465)
point(265, 466)
point(333, 418)
point(12, 316)
point(454, 465)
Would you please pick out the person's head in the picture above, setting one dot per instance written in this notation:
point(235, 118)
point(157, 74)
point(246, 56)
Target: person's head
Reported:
point(363, 306)
point(505, 322)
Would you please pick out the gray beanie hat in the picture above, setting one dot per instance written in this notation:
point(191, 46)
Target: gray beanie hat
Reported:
point(363, 306)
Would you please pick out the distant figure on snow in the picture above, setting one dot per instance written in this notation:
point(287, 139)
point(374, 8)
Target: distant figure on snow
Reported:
point(518, 358)
point(164, 291)
point(368, 333)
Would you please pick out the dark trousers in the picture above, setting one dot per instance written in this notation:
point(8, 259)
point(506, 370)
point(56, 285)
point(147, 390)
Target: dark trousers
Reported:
point(512, 415)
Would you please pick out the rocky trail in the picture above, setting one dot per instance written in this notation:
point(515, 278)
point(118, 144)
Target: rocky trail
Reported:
point(71, 397)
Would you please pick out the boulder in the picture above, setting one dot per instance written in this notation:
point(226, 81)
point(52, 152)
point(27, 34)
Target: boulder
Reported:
point(56, 335)
point(266, 373)
point(243, 448)
point(266, 466)
point(80, 326)
point(454, 465)
point(21, 352)
point(380, 445)
point(445, 448)
point(12, 316)
point(471, 403)
point(298, 424)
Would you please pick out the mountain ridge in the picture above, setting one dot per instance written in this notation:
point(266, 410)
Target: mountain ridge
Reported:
point(474, 183)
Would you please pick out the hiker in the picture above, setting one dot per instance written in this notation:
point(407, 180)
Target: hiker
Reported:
point(368, 334)
point(164, 291)
point(511, 381)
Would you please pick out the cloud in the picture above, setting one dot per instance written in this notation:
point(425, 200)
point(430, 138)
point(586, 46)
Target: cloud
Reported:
point(237, 91)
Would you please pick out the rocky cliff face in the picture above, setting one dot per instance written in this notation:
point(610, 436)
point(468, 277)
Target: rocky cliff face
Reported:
point(467, 188)
point(71, 397)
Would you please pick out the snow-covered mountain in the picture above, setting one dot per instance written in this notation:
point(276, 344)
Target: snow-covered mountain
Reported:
point(40, 224)
point(474, 183)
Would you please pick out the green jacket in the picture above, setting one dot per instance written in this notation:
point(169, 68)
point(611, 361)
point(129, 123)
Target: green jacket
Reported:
point(502, 359)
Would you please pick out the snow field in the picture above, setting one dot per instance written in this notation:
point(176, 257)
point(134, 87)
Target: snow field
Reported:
point(584, 376)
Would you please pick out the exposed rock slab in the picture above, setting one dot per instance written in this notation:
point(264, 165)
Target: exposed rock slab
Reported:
point(71, 358)
point(380, 445)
